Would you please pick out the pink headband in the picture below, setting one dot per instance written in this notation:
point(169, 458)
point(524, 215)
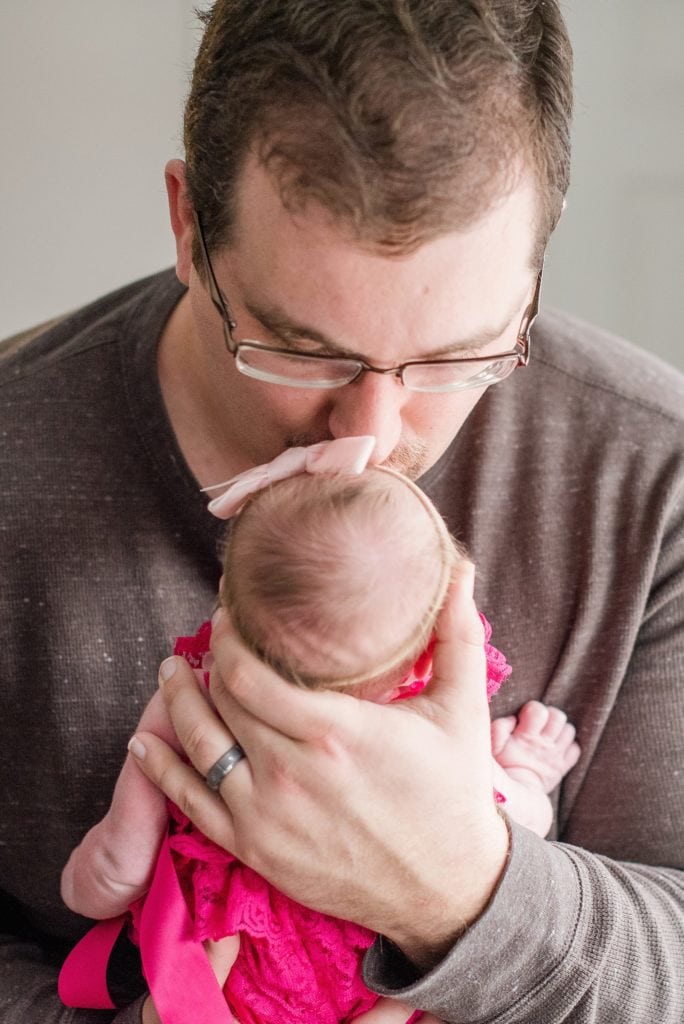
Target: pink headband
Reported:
point(347, 456)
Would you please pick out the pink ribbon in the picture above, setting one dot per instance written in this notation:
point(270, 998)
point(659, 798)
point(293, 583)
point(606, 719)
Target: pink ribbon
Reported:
point(182, 983)
point(347, 456)
point(83, 977)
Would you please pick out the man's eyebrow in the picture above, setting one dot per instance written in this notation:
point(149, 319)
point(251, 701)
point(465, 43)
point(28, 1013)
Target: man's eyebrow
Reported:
point(278, 324)
point(285, 329)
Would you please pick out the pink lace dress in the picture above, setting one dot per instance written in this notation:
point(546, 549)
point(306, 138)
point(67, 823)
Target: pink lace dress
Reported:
point(294, 966)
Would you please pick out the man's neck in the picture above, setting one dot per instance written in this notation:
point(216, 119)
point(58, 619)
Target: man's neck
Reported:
point(191, 404)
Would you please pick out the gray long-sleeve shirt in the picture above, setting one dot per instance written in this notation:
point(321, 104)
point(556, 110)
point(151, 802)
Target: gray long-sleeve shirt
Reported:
point(566, 485)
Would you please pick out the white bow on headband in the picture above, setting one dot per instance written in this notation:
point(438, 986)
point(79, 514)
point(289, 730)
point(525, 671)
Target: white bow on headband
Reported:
point(347, 456)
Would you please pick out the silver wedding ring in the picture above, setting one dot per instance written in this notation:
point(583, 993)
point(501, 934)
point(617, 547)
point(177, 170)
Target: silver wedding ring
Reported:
point(224, 766)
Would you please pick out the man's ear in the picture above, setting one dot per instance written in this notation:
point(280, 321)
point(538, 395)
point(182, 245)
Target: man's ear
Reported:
point(182, 221)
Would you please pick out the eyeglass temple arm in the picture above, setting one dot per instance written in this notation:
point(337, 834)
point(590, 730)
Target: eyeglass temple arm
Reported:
point(530, 316)
point(215, 294)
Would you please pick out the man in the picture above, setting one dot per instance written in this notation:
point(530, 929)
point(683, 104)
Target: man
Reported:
point(375, 185)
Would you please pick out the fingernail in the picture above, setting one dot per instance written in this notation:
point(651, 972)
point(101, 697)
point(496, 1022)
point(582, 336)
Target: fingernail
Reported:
point(137, 748)
point(167, 669)
point(216, 617)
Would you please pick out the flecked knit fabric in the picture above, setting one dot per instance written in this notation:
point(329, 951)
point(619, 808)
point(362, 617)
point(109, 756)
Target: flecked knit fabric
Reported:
point(566, 485)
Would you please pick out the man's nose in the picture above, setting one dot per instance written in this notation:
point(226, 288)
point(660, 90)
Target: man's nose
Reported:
point(372, 404)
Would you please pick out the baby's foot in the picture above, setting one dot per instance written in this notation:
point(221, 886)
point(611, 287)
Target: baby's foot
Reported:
point(535, 750)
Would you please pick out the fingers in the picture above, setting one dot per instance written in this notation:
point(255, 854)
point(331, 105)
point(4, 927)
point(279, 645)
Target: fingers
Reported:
point(542, 742)
point(548, 723)
point(249, 695)
point(459, 623)
point(532, 718)
point(155, 718)
point(459, 657)
point(203, 735)
point(556, 724)
point(188, 790)
point(571, 756)
point(205, 738)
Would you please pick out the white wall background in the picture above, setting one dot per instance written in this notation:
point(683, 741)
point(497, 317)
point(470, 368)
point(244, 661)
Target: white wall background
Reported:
point(91, 99)
point(91, 95)
point(618, 255)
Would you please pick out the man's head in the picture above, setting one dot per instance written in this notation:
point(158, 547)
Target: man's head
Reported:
point(377, 180)
point(405, 119)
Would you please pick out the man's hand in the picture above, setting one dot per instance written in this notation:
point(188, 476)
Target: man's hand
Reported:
point(379, 814)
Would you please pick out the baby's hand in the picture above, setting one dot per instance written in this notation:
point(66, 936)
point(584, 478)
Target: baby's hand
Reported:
point(537, 747)
point(113, 864)
point(532, 753)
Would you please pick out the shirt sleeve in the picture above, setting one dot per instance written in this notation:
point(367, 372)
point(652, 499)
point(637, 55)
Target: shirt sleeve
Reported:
point(569, 937)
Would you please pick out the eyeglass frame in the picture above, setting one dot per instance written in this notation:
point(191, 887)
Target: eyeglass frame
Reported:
point(220, 302)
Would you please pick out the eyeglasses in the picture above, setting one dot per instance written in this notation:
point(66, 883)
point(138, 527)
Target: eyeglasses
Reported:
point(304, 370)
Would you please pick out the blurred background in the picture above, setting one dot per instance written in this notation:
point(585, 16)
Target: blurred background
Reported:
point(91, 98)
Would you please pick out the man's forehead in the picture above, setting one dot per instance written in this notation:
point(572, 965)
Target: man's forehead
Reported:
point(303, 274)
point(298, 334)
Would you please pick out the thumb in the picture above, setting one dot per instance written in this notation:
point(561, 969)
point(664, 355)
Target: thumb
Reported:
point(459, 680)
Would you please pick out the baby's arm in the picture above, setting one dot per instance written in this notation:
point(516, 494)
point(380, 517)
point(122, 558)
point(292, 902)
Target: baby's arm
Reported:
point(531, 754)
point(113, 864)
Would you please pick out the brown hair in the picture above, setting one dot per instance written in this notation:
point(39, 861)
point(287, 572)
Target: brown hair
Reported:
point(404, 118)
point(337, 580)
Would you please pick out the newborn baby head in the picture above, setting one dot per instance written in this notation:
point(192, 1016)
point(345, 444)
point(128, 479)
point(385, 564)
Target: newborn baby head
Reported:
point(336, 581)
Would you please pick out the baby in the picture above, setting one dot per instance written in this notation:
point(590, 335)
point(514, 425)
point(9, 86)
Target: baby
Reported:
point(334, 575)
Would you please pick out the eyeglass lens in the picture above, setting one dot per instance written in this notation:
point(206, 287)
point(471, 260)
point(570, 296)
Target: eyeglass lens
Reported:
point(280, 367)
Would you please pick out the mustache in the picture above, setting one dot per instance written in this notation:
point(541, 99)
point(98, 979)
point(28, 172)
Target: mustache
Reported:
point(409, 458)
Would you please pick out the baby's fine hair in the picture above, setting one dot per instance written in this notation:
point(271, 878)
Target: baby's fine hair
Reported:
point(337, 580)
